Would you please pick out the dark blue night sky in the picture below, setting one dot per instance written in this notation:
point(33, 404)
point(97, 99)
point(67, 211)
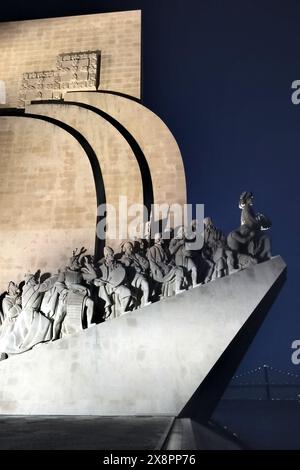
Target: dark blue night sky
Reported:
point(219, 74)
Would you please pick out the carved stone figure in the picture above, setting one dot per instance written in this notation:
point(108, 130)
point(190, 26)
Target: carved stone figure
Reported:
point(177, 248)
point(201, 256)
point(247, 212)
point(55, 305)
point(50, 298)
point(89, 270)
point(11, 308)
point(63, 303)
point(220, 260)
point(204, 265)
point(260, 245)
point(136, 268)
point(163, 269)
point(76, 307)
point(112, 289)
point(239, 239)
point(249, 239)
point(31, 327)
point(141, 248)
point(215, 250)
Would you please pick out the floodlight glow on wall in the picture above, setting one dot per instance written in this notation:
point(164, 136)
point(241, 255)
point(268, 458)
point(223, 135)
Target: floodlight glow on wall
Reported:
point(2, 92)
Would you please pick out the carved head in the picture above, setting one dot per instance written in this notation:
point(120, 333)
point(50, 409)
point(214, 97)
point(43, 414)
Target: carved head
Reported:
point(158, 238)
point(109, 254)
point(13, 289)
point(207, 222)
point(75, 258)
point(128, 248)
point(245, 198)
point(140, 244)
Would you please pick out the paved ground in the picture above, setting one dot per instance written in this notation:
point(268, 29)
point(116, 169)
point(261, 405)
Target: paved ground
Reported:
point(82, 432)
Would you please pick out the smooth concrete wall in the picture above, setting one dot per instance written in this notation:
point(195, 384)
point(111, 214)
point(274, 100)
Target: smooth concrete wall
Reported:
point(33, 46)
point(148, 362)
point(47, 198)
point(155, 139)
point(118, 164)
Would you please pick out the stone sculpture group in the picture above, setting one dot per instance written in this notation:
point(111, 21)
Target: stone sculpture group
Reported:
point(88, 291)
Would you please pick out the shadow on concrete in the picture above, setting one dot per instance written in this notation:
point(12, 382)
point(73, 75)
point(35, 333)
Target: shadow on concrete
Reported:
point(203, 402)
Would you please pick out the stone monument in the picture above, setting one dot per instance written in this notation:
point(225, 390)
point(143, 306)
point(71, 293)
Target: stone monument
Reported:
point(128, 325)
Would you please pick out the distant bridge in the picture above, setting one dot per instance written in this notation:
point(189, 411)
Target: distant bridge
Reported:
point(264, 383)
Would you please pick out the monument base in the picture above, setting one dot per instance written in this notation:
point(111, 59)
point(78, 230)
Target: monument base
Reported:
point(148, 362)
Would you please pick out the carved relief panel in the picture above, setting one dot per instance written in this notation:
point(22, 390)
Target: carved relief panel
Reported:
point(75, 71)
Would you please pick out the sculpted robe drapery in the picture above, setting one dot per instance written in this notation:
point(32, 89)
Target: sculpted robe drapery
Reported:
point(163, 271)
point(30, 327)
point(11, 310)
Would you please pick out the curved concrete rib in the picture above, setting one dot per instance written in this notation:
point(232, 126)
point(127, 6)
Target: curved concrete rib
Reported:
point(153, 136)
point(119, 168)
point(48, 199)
point(147, 362)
